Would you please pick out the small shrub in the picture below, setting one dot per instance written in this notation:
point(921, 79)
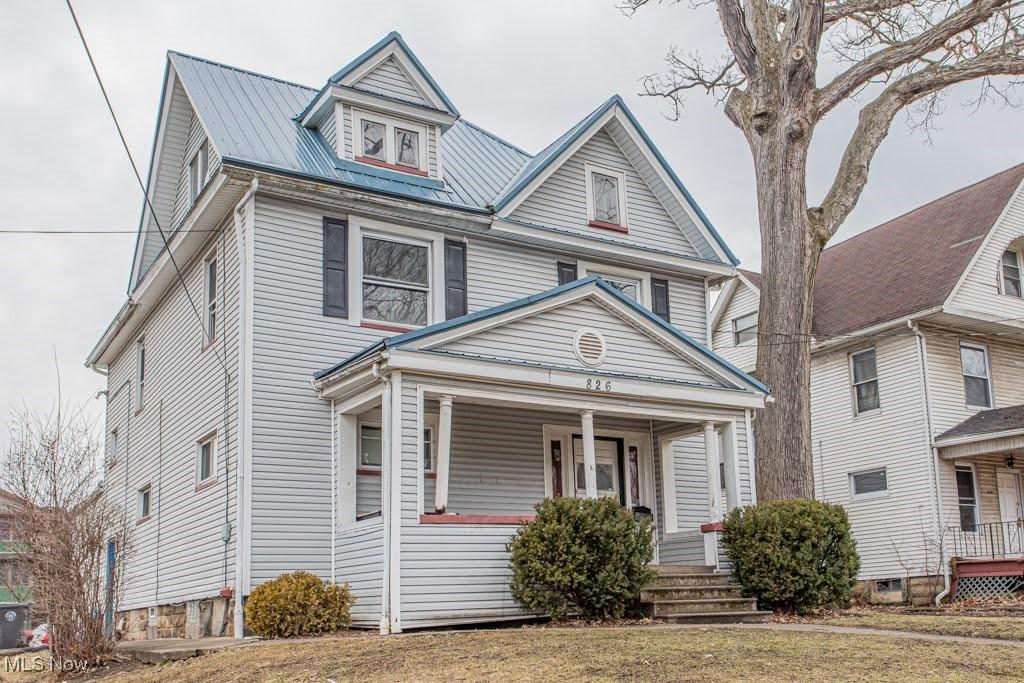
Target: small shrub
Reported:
point(580, 556)
point(297, 604)
point(793, 555)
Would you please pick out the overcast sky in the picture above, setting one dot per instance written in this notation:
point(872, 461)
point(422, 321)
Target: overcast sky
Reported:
point(524, 69)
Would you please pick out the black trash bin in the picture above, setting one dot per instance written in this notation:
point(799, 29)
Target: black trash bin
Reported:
point(13, 624)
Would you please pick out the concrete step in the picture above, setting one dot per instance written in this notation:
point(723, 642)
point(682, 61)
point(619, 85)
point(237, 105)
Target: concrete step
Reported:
point(663, 569)
point(741, 617)
point(702, 579)
point(662, 593)
point(671, 608)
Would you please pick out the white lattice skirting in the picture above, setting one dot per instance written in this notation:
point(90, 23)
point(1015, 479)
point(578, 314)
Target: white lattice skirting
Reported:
point(988, 587)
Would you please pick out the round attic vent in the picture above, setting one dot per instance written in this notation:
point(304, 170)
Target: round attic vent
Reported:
point(589, 346)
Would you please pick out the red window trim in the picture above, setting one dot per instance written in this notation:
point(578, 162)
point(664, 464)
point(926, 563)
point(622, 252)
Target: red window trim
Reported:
point(386, 327)
point(203, 485)
point(475, 519)
point(608, 226)
point(208, 344)
point(430, 475)
point(392, 167)
point(138, 411)
point(375, 471)
point(711, 527)
point(143, 520)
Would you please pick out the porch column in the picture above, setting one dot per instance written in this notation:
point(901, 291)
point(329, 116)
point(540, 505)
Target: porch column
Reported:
point(712, 458)
point(348, 442)
point(444, 445)
point(589, 455)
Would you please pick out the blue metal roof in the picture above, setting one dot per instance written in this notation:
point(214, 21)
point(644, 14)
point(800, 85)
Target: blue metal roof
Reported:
point(251, 121)
point(400, 339)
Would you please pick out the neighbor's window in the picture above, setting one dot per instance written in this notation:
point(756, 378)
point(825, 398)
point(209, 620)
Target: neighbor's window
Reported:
point(140, 374)
point(396, 281)
point(206, 459)
point(977, 385)
point(210, 294)
point(369, 446)
point(869, 483)
point(744, 328)
point(1011, 274)
point(865, 380)
point(967, 495)
point(373, 140)
point(144, 502)
point(197, 171)
point(407, 147)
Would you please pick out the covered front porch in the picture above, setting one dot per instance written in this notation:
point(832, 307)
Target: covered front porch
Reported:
point(439, 457)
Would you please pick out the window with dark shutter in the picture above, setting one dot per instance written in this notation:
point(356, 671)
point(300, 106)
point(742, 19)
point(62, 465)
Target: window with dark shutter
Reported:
point(659, 299)
point(566, 272)
point(454, 279)
point(335, 268)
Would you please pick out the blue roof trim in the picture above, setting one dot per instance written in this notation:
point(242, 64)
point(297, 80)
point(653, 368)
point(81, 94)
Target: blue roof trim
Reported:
point(544, 159)
point(394, 36)
point(398, 340)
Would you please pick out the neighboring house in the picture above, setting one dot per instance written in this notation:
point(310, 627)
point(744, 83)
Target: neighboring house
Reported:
point(392, 342)
point(917, 382)
point(15, 581)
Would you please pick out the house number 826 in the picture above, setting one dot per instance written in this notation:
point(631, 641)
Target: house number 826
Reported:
point(598, 385)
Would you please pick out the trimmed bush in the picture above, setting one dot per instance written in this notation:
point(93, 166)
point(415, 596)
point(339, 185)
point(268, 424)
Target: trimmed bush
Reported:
point(580, 556)
point(793, 555)
point(297, 604)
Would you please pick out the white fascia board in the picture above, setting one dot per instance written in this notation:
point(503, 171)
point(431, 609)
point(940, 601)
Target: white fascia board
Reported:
point(983, 317)
point(393, 49)
point(507, 373)
point(856, 336)
point(616, 252)
point(722, 303)
point(976, 438)
point(361, 98)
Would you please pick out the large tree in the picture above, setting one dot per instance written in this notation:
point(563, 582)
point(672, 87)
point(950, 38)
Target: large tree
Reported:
point(894, 55)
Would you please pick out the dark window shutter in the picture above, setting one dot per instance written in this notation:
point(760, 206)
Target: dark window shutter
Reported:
point(335, 268)
point(659, 299)
point(566, 272)
point(454, 279)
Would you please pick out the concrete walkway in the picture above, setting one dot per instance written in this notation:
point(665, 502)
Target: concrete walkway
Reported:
point(173, 649)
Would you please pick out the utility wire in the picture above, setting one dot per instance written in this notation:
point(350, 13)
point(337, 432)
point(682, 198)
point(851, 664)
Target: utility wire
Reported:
point(138, 178)
point(83, 231)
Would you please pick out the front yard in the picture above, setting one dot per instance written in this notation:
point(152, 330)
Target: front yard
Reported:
point(596, 654)
point(949, 623)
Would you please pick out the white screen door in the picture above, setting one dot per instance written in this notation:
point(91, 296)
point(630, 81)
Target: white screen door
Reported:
point(606, 455)
point(1010, 511)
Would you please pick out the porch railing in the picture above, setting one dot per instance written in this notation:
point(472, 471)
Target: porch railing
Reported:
point(992, 539)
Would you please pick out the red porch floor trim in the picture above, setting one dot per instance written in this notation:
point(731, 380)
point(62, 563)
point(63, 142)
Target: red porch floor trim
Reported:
point(475, 519)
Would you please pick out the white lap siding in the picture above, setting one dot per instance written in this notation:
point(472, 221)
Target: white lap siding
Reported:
point(178, 553)
point(359, 558)
point(744, 301)
point(889, 529)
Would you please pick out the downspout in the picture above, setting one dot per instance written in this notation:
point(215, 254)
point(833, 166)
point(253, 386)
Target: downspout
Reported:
point(922, 353)
point(243, 239)
point(385, 600)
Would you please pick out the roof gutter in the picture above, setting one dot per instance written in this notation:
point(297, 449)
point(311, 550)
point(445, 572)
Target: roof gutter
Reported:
point(126, 311)
point(848, 337)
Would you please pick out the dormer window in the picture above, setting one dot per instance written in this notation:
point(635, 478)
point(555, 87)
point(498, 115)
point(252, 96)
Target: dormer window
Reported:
point(1011, 273)
point(390, 143)
point(606, 198)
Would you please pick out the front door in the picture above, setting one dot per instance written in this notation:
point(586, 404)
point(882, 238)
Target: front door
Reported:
point(1010, 512)
point(608, 458)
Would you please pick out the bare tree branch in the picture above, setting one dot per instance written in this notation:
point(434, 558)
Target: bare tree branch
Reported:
point(876, 118)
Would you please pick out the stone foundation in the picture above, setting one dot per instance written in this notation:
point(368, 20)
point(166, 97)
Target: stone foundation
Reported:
point(191, 619)
point(919, 591)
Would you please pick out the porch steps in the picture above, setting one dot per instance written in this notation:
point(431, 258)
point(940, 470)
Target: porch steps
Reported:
point(696, 594)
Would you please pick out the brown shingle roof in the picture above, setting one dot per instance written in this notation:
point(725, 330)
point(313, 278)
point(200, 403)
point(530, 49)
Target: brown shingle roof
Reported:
point(908, 264)
point(988, 422)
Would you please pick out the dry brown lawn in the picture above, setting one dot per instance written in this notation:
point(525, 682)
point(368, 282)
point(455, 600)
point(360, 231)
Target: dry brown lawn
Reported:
point(951, 624)
point(596, 654)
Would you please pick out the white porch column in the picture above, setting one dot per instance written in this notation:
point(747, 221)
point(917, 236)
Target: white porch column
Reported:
point(668, 484)
point(731, 458)
point(589, 455)
point(348, 443)
point(712, 457)
point(444, 445)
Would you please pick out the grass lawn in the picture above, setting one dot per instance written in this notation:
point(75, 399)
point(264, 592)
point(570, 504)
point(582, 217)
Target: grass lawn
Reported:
point(596, 654)
point(952, 624)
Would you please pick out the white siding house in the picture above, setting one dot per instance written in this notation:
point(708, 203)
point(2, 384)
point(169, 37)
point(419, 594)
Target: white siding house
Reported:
point(917, 384)
point(420, 332)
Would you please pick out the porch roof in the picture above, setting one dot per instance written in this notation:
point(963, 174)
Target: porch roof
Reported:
point(987, 422)
point(742, 379)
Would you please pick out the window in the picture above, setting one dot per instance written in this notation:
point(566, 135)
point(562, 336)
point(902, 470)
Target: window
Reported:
point(967, 496)
point(865, 381)
point(428, 450)
point(396, 281)
point(144, 502)
point(744, 328)
point(140, 374)
point(210, 294)
point(369, 446)
point(606, 198)
point(631, 288)
point(206, 459)
point(977, 388)
point(390, 143)
point(889, 586)
point(1011, 274)
point(112, 449)
point(869, 483)
point(197, 172)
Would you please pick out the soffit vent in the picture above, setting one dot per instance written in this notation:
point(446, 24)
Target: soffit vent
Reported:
point(589, 346)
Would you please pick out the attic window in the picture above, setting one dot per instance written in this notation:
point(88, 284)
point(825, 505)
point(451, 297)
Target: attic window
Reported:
point(1011, 273)
point(390, 143)
point(606, 198)
point(198, 169)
